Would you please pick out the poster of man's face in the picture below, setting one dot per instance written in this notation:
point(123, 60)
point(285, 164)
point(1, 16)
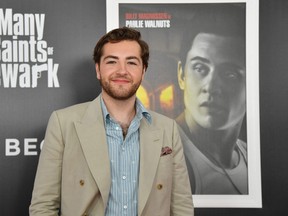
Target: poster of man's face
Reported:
point(197, 75)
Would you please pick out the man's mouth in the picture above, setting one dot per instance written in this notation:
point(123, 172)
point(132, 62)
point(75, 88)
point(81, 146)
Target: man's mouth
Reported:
point(120, 80)
point(212, 106)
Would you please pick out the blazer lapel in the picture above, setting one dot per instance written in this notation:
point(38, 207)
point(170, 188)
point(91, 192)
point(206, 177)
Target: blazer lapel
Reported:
point(151, 139)
point(92, 136)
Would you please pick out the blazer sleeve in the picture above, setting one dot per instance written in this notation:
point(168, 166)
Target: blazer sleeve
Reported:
point(181, 200)
point(46, 193)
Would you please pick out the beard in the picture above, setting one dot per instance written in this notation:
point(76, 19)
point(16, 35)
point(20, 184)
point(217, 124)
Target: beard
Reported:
point(119, 92)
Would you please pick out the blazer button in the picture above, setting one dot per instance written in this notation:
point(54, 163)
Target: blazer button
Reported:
point(81, 182)
point(159, 186)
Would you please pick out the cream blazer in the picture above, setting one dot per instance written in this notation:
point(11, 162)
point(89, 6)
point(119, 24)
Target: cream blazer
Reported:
point(73, 173)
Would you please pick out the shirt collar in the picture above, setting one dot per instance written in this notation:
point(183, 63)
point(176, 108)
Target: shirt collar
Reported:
point(140, 111)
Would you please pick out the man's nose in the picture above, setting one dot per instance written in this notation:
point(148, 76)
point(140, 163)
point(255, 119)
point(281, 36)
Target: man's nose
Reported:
point(213, 83)
point(122, 69)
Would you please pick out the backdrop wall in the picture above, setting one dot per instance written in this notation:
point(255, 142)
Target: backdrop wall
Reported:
point(60, 37)
point(70, 30)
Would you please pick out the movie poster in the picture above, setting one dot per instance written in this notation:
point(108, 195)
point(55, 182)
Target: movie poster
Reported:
point(176, 84)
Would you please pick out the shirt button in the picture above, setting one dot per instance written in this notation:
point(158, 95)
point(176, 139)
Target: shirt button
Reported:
point(125, 207)
point(123, 177)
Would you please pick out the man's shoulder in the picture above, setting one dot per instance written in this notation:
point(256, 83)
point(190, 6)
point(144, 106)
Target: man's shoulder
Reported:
point(161, 120)
point(160, 116)
point(77, 111)
point(76, 108)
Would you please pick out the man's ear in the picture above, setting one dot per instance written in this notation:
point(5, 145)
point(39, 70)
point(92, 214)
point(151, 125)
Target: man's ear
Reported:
point(180, 75)
point(143, 73)
point(97, 71)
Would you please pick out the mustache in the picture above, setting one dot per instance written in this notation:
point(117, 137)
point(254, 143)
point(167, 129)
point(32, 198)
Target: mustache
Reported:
point(120, 77)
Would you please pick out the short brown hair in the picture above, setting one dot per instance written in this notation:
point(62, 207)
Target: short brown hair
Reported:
point(120, 34)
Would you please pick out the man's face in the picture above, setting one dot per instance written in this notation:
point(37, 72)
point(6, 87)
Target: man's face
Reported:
point(120, 71)
point(214, 81)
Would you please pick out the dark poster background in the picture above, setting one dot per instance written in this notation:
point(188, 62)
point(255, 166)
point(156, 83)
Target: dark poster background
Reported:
point(72, 28)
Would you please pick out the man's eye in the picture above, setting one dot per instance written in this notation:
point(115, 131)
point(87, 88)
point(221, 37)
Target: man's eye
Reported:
point(231, 75)
point(110, 62)
point(200, 68)
point(132, 63)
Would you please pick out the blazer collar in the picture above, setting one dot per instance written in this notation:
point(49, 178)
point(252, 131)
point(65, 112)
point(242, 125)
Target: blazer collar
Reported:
point(151, 139)
point(92, 136)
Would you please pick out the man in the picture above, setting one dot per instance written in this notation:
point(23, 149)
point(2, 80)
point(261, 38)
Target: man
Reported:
point(212, 75)
point(111, 156)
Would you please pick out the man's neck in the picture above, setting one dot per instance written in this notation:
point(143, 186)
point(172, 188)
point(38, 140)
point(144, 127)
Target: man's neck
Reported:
point(217, 144)
point(122, 111)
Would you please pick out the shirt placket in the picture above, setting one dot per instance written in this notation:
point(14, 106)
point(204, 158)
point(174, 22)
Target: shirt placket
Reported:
point(124, 177)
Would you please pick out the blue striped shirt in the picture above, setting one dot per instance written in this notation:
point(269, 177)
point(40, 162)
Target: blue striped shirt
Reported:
point(124, 162)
